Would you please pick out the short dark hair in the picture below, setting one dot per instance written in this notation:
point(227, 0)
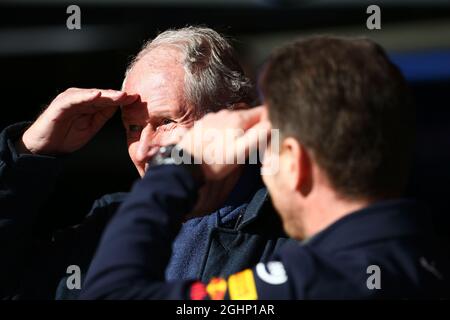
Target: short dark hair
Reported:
point(349, 106)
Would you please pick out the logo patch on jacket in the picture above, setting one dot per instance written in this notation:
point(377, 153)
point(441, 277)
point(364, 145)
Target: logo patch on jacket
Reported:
point(242, 286)
point(198, 291)
point(273, 272)
point(217, 288)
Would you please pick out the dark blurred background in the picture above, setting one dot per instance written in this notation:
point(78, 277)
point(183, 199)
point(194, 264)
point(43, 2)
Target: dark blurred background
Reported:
point(40, 57)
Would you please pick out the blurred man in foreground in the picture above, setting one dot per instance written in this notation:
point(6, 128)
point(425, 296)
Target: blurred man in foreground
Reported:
point(347, 126)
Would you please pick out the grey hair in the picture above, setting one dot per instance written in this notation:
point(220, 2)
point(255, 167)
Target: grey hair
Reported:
point(214, 79)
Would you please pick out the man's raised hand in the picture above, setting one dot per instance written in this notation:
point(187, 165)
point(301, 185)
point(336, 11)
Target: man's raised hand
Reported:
point(219, 137)
point(71, 120)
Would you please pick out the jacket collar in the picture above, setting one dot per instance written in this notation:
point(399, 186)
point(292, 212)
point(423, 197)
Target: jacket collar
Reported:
point(248, 183)
point(382, 220)
point(255, 207)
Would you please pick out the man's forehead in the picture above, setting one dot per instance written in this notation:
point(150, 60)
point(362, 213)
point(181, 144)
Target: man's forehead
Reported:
point(142, 81)
point(158, 93)
point(160, 86)
point(145, 76)
point(159, 60)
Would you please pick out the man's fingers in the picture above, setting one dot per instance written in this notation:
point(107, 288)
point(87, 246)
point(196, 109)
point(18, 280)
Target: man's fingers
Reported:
point(109, 101)
point(119, 96)
point(248, 118)
point(264, 114)
point(253, 138)
point(74, 97)
point(107, 98)
point(95, 97)
point(92, 101)
point(100, 118)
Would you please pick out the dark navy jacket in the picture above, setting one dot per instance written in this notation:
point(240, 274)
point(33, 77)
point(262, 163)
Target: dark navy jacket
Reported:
point(33, 264)
point(382, 251)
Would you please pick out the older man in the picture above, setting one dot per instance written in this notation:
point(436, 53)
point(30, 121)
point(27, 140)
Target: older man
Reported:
point(174, 80)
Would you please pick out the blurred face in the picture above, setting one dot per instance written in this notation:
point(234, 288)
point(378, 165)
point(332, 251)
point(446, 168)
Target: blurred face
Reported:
point(275, 184)
point(283, 183)
point(161, 115)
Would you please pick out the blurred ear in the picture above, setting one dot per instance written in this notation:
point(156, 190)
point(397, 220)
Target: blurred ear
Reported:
point(295, 165)
point(306, 172)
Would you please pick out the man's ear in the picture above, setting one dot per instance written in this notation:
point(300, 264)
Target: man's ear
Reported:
point(296, 164)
